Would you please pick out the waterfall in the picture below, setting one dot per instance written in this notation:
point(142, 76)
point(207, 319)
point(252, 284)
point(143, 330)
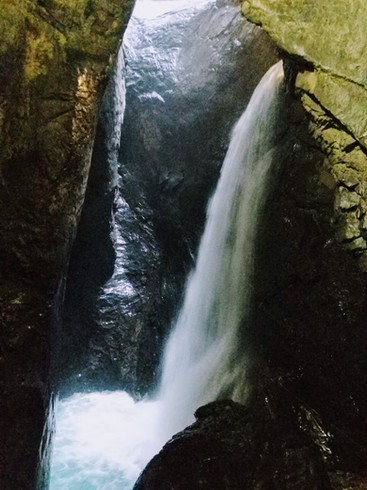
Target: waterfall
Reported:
point(203, 360)
point(105, 439)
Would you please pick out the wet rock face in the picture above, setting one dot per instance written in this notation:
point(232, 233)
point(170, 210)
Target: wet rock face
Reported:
point(333, 87)
point(314, 318)
point(188, 77)
point(346, 162)
point(232, 448)
point(54, 62)
point(310, 298)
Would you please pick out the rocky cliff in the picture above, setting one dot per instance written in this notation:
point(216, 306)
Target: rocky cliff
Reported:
point(306, 342)
point(55, 58)
point(304, 425)
point(324, 45)
point(327, 42)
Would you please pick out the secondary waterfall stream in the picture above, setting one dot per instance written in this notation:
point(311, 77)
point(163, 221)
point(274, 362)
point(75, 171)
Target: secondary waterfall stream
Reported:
point(104, 439)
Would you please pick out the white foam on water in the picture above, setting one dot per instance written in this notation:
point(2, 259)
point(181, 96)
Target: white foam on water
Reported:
point(103, 440)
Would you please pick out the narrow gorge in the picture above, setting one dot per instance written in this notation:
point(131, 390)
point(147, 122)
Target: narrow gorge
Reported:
point(183, 247)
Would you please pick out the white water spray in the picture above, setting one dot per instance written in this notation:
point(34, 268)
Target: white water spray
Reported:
point(104, 440)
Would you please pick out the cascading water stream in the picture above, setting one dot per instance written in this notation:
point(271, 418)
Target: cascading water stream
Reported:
point(203, 359)
point(105, 439)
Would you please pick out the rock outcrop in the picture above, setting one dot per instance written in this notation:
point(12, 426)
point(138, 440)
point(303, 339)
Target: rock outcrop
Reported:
point(55, 58)
point(232, 448)
point(328, 43)
point(311, 298)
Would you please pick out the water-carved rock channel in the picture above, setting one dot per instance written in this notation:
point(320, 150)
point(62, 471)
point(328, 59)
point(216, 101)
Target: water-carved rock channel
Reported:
point(146, 341)
point(177, 86)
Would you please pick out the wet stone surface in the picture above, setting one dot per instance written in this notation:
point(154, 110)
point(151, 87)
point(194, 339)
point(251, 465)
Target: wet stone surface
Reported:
point(230, 447)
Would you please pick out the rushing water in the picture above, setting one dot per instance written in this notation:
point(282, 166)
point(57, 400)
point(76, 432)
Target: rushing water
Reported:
point(104, 439)
point(203, 359)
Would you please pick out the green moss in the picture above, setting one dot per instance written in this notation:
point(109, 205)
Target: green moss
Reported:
point(330, 35)
point(68, 30)
point(12, 17)
point(348, 228)
point(347, 101)
point(18, 299)
point(39, 51)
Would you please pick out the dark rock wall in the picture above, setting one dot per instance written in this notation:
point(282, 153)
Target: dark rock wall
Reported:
point(93, 255)
point(311, 305)
point(307, 329)
point(54, 62)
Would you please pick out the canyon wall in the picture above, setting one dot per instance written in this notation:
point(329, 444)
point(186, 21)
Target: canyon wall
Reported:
point(327, 42)
point(304, 423)
point(55, 59)
point(189, 74)
point(306, 341)
point(320, 271)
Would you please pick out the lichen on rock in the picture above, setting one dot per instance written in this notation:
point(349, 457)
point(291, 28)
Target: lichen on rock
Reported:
point(332, 82)
point(346, 162)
